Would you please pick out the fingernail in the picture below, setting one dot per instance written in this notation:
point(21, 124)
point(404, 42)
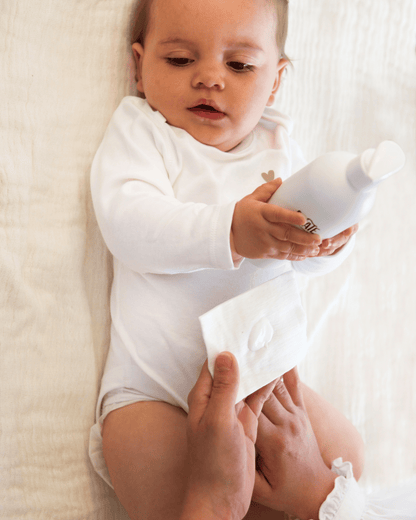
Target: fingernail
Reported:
point(223, 362)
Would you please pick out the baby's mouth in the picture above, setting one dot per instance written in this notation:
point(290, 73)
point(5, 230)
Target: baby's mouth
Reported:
point(205, 108)
point(205, 111)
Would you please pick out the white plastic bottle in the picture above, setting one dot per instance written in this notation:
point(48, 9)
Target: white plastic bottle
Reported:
point(338, 189)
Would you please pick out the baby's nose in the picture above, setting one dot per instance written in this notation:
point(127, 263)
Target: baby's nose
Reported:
point(209, 77)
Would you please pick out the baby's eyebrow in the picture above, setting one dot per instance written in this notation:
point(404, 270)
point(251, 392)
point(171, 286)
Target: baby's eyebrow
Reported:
point(245, 45)
point(232, 45)
point(170, 41)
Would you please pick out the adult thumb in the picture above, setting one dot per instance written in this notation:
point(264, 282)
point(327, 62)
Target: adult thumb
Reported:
point(266, 190)
point(226, 380)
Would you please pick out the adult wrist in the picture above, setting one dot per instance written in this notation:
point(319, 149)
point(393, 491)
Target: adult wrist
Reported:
point(347, 500)
point(320, 488)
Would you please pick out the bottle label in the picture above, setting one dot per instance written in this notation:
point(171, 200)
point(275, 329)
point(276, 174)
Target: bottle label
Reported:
point(309, 226)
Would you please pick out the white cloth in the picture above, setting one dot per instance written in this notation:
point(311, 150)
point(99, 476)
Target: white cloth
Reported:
point(164, 203)
point(348, 501)
point(65, 68)
point(266, 339)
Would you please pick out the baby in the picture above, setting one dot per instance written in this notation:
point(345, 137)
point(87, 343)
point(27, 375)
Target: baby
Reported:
point(179, 191)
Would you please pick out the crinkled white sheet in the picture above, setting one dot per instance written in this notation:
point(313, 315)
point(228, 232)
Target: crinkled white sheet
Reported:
point(64, 67)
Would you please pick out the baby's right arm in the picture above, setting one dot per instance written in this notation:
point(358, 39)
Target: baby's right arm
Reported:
point(261, 230)
point(142, 221)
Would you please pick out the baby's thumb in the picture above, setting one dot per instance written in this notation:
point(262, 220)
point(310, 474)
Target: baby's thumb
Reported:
point(265, 191)
point(225, 385)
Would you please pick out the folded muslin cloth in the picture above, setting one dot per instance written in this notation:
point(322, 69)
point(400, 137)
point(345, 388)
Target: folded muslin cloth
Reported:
point(265, 328)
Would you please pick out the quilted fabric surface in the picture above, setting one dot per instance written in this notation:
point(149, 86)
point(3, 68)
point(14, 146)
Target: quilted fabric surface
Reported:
point(64, 67)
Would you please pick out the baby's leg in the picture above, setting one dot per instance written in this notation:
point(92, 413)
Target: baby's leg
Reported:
point(336, 435)
point(145, 451)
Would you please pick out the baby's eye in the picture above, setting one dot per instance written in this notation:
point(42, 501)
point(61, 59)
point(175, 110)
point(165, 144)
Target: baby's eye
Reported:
point(179, 62)
point(238, 66)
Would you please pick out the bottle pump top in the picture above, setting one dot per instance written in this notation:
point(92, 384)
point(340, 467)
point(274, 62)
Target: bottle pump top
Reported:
point(375, 165)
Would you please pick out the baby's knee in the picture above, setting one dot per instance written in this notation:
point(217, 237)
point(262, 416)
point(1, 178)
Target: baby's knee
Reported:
point(356, 453)
point(336, 435)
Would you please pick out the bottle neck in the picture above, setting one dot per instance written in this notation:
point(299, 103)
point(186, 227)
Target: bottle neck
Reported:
point(356, 174)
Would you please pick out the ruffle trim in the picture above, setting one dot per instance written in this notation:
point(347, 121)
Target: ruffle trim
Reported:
point(346, 501)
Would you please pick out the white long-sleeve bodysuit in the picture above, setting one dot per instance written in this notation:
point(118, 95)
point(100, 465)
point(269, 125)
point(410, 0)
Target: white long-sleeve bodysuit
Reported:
point(164, 203)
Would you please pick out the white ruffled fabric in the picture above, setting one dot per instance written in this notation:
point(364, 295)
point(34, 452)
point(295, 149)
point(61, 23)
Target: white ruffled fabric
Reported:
point(347, 501)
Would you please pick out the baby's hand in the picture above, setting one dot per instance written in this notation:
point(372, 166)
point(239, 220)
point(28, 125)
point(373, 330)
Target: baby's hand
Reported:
point(332, 245)
point(261, 230)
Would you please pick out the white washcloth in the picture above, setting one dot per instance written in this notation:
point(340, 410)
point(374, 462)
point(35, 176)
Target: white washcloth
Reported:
point(265, 328)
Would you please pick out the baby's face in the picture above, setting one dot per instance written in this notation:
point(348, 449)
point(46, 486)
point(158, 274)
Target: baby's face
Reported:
point(210, 67)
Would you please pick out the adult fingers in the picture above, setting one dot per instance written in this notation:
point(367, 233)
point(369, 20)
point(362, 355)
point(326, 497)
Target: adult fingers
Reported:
point(293, 386)
point(225, 384)
point(257, 399)
point(283, 396)
point(262, 488)
point(249, 422)
point(278, 404)
point(266, 436)
point(198, 397)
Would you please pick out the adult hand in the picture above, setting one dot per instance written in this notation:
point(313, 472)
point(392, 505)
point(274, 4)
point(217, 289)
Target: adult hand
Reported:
point(292, 475)
point(221, 439)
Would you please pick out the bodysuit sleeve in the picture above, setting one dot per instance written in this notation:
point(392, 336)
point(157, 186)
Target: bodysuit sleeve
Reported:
point(142, 222)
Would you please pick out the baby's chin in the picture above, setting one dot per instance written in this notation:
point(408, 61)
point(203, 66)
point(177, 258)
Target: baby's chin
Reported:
point(225, 141)
point(220, 142)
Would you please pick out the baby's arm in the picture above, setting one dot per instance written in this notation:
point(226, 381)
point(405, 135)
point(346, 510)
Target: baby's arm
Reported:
point(143, 223)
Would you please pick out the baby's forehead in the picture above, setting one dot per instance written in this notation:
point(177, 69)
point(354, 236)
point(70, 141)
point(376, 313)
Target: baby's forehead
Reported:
point(232, 20)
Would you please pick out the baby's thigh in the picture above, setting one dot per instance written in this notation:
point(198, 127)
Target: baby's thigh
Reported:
point(145, 450)
point(336, 435)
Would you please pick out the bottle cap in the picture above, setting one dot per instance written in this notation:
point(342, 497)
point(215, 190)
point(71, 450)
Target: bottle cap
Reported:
point(375, 165)
point(389, 158)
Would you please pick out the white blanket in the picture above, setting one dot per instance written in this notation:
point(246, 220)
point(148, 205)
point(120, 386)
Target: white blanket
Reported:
point(64, 67)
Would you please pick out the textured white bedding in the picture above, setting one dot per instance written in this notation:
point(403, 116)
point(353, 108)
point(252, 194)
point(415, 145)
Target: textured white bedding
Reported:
point(64, 66)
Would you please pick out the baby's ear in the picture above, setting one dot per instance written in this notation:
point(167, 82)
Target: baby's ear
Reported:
point(281, 66)
point(138, 60)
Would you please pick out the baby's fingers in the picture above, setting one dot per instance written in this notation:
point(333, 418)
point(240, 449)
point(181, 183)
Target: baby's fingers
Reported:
point(293, 240)
point(277, 215)
point(264, 192)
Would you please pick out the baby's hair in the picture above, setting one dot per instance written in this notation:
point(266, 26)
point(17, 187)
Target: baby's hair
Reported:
point(141, 18)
